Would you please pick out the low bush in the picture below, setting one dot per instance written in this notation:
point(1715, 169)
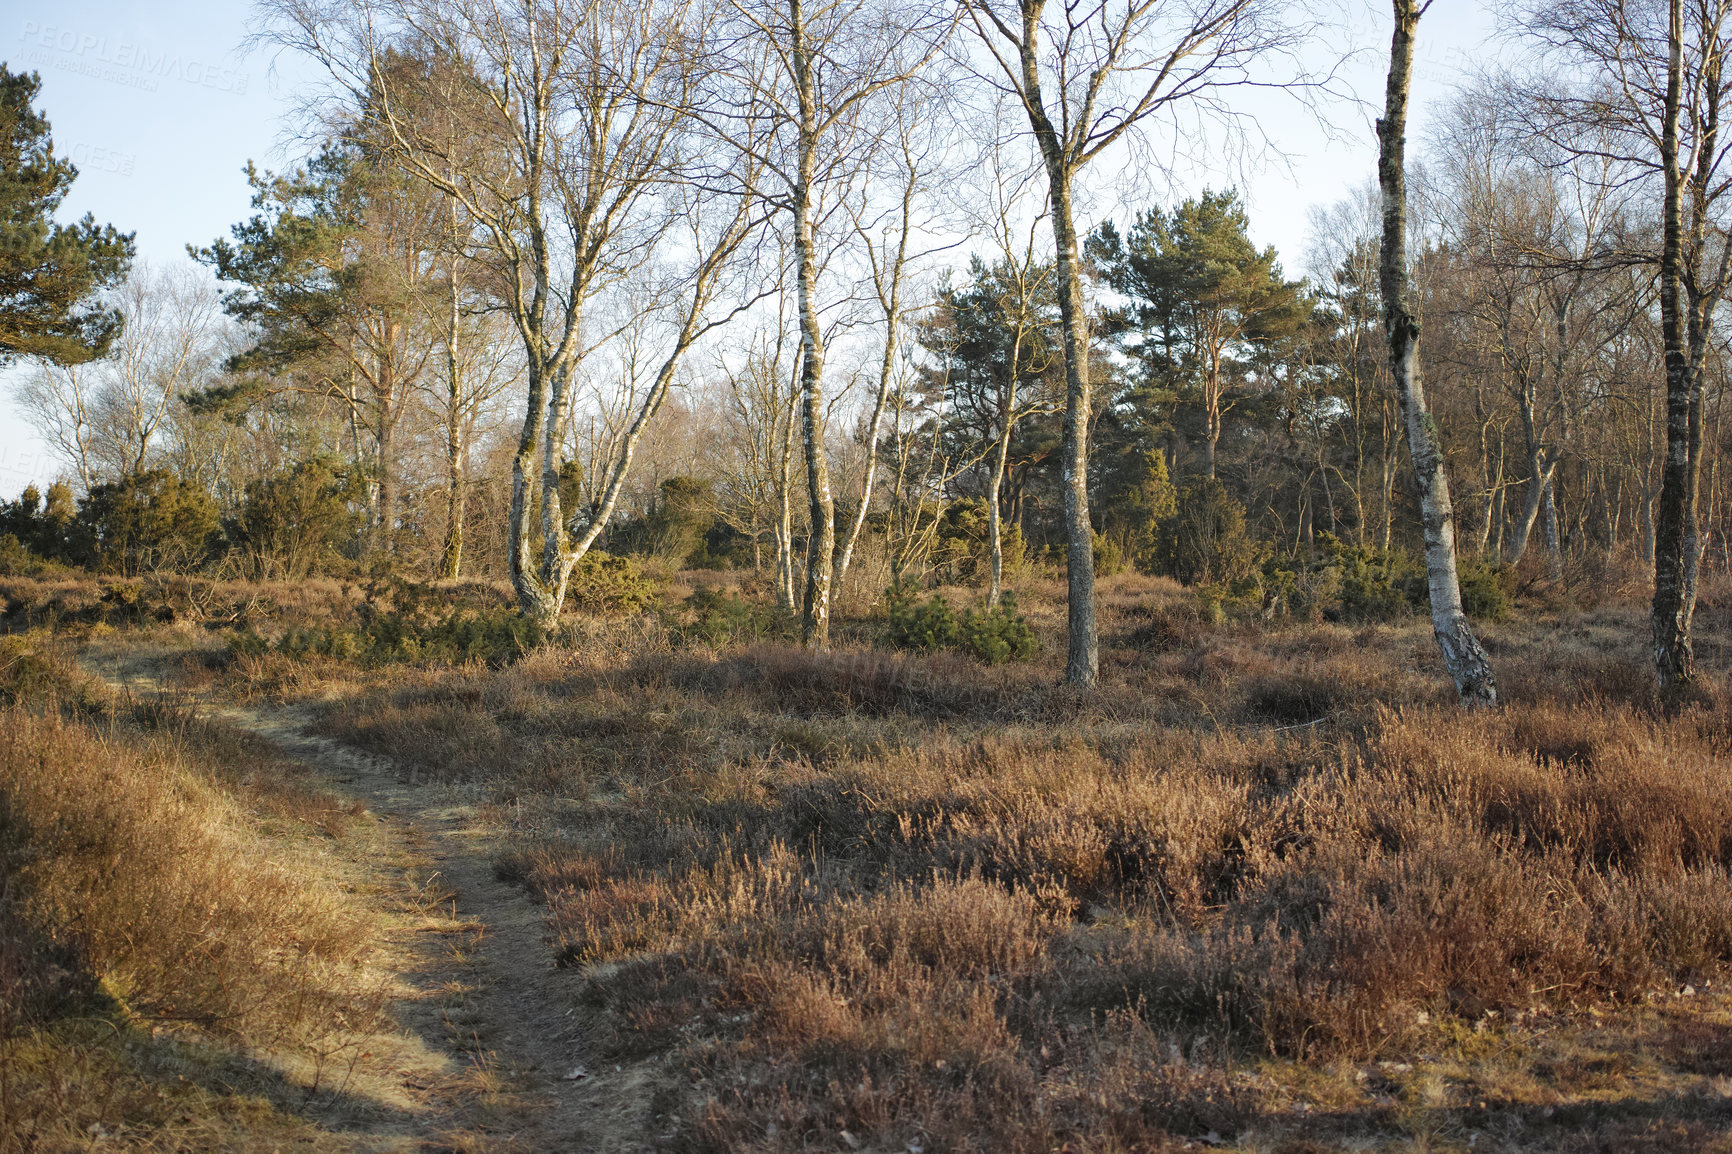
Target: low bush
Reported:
point(1487, 589)
point(17, 560)
point(144, 522)
point(493, 637)
point(1360, 583)
point(1206, 539)
point(298, 521)
point(962, 545)
point(1376, 584)
point(146, 926)
point(993, 635)
point(933, 903)
point(604, 584)
point(718, 617)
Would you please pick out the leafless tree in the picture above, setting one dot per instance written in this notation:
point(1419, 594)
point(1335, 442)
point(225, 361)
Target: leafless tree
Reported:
point(894, 230)
point(575, 111)
point(1463, 655)
point(107, 418)
point(796, 87)
point(761, 404)
point(1531, 239)
point(1023, 276)
point(480, 366)
point(1089, 75)
point(1643, 84)
point(1343, 264)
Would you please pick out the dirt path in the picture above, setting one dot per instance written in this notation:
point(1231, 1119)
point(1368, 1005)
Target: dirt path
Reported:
point(510, 1067)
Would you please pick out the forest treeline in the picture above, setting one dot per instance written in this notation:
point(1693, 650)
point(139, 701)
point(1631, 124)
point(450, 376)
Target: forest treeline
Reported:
point(802, 291)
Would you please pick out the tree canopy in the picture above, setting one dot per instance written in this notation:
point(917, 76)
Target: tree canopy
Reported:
point(51, 275)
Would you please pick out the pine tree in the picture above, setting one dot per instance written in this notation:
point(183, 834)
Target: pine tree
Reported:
point(331, 270)
point(1202, 300)
point(49, 273)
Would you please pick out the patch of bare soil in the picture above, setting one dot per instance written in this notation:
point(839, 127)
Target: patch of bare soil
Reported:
point(495, 1056)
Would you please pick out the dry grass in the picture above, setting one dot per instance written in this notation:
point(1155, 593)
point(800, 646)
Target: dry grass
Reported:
point(165, 929)
point(1264, 883)
point(1264, 887)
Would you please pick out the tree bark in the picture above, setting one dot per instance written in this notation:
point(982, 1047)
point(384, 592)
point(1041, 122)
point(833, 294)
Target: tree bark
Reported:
point(1212, 421)
point(383, 438)
point(534, 599)
point(821, 539)
point(1000, 462)
point(1082, 661)
point(451, 560)
point(785, 513)
point(1533, 503)
point(886, 375)
point(1675, 517)
point(1554, 539)
point(1463, 656)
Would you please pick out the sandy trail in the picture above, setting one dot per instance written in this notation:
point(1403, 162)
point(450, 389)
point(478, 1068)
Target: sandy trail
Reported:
point(499, 1019)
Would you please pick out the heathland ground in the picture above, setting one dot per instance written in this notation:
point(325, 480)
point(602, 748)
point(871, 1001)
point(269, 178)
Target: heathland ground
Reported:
point(327, 867)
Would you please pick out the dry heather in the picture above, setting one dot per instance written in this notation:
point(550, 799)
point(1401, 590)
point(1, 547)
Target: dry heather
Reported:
point(1265, 885)
point(176, 970)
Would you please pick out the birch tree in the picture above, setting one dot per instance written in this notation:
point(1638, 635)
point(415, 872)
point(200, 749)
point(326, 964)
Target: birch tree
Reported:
point(1022, 308)
point(891, 230)
point(1643, 83)
point(1089, 75)
point(795, 87)
point(1463, 655)
point(109, 418)
point(762, 414)
point(996, 336)
point(576, 116)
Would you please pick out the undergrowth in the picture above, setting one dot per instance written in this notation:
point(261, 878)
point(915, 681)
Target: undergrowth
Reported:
point(150, 936)
point(1262, 885)
point(993, 635)
point(920, 901)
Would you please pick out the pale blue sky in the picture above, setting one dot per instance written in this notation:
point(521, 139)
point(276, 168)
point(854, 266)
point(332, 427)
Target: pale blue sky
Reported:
point(160, 110)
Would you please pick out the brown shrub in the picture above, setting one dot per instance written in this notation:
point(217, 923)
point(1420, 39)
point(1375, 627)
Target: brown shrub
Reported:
point(918, 900)
point(137, 899)
point(140, 870)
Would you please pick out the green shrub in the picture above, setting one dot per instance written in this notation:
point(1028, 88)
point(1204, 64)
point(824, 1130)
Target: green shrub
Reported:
point(297, 522)
point(992, 635)
point(1487, 590)
point(495, 637)
point(145, 521)
point(17, 559)
point(962, 544)
point(1132, 510)
point(1376, 584)
point(43, 526)
point(675, 527)
point(1110, 555)
point(602, 583)
point(1299, 588)
point(997, 635)
point(717, 617)
point(1221, 601)
point(911, 624)
point(1372, 584)
point(1206, 539)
